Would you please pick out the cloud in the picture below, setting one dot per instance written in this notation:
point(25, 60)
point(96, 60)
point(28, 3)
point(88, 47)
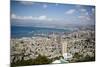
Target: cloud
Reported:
point(87, 18)
point(86, 13)
point(56, 4)
point(93, 10)
point(13, 16)
point(83, 10)
point(27, 2)
point(41, 18)
point(71, 11)
point(84, 18)
point(45, 6)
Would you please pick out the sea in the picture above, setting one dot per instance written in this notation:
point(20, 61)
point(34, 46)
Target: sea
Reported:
point(22, 31)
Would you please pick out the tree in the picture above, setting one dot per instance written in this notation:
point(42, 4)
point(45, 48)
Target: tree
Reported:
point(37, 61)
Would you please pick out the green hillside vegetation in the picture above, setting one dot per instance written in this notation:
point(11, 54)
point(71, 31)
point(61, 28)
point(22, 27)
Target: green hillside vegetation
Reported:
point(38, 61)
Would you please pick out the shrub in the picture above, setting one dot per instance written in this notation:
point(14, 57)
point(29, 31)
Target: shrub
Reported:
point(38, 61)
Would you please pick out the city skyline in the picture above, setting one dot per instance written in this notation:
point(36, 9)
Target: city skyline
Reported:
point(49, 33)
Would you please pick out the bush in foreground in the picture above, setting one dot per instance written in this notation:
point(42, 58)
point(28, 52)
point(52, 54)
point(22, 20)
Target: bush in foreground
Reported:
point(38, 61)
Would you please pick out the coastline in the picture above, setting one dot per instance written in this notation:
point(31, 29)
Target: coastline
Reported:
point(54, 45)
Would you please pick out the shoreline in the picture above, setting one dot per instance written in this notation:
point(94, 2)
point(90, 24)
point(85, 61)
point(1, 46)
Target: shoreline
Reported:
point(55, 45)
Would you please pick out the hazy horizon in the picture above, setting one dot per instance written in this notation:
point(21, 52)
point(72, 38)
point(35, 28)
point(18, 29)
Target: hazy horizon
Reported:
point(38, 14)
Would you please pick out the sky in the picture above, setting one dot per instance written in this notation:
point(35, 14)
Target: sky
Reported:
point(28, 13)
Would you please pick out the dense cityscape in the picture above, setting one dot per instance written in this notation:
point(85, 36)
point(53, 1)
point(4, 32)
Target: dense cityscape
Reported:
point(51, 33)
point(78, 44)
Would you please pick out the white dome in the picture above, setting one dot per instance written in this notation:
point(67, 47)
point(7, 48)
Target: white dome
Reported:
point(67, 56)
point(56, 61)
